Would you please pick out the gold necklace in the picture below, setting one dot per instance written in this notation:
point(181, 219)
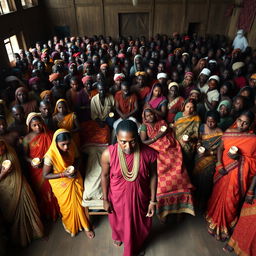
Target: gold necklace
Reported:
point(129, 176)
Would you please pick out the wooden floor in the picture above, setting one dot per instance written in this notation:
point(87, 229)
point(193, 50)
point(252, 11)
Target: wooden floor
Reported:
point(185, 238)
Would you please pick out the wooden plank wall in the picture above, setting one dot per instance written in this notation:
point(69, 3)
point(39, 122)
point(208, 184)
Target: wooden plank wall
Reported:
point(29, 21)
point(89, 17)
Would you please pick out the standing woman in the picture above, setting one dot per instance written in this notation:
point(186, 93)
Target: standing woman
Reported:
point(175, 102)
point(186, 129)
point(232, 178)
point(35, 144)
point(67, 187)
point(156, 101)
point(174, 190)
point(17, 202)
point(206, 157)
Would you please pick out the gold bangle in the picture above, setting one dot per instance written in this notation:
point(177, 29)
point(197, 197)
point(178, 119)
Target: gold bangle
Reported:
point(153, 203)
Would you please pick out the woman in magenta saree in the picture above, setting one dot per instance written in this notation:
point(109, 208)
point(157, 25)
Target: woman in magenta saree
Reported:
point(156, 101)
point(232, 178)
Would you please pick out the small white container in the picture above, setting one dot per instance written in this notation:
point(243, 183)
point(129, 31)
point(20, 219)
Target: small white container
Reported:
point(6, 164)
point(71, 169)
point(185, 138)
point(233, 150)
point(163, 128)
point(36, 161)
point(111, 114)
point(201, 150)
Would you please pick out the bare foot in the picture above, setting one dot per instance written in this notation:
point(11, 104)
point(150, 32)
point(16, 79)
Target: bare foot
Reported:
point(90, 234)
point(117, 243)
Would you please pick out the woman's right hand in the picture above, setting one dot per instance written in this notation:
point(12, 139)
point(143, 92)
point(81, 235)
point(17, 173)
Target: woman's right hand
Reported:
point(107, 206)
point(223, 171)
point(68, 175)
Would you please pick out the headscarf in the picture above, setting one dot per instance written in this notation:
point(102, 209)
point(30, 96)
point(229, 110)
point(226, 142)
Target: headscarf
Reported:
point(31, 116)
point(104, 65)
point(85, 79)
point(18, 90)
point(44, 93)
point(215, 77)
point(161, 75)
point(177, 50)
point(134, 64)
point(189, 74)
point(54, 76)
point(140, 73)
point(33, 80)
point(253, 76)
point(119, 76)
point(170, 85)
point(226, 103)
point(195, 91)
point(59, 101)
point(205, 71)
point(240, 41)
point(60, 164)
point(155, 102)
point(237, 65)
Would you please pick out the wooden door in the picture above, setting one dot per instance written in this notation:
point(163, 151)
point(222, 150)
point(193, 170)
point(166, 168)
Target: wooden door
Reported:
point(134, 24)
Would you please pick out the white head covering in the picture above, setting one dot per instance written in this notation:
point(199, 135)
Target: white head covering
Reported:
point(185, 53)
point(119, 76)
point(213, 61)
point(215, 77)
point(161, 75)
point(237, 65)
point(205, 71)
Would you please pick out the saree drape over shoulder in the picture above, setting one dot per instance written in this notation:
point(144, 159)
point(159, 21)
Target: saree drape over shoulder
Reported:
point(130, 200)
point(47, 202)
point(205, 166)
point(243, 240)
point(18, 204)
point(68, 191)
point(173, 108)
point(229, 190)
point(174, 189)
point(187, 125)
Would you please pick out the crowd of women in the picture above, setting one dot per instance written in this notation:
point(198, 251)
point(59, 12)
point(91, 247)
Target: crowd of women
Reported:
point(192, 98)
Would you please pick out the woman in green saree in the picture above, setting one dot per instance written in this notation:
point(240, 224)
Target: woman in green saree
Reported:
point(206, 158)
point(186, 128)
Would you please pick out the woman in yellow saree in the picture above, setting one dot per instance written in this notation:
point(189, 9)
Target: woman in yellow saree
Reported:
point(67, 187)
point(17, 202)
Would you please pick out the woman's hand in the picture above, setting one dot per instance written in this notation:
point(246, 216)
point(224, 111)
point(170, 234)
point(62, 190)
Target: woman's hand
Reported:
point(234, 156)
point(223, 171)
point(151, 210)
point(40, 165)
point(249, 199)
point(107, 206)
point(5, 170)
point(69, 175)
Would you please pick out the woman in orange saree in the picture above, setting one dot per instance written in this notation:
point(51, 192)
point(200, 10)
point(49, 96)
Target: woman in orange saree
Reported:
point(174, 189)
point(243, 240)
point(232, 178)
point(66, 119)
point(67, 186)
point(36, 143)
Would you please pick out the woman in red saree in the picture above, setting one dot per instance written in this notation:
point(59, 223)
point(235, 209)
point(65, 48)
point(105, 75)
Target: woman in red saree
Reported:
point(36, 143)
point(232, 178)
point(156, 101)
point(174, 190)
point(175, 102)
point(243, 240)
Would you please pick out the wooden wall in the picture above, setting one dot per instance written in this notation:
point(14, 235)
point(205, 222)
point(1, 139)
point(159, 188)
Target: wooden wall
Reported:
point(89, 17)
point(28, 21)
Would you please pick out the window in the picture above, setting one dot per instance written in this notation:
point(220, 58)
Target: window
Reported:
point(11, 46)
point(6, 6)
point(28, 3)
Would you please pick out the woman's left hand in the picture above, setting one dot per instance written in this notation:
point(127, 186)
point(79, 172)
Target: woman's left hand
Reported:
point(234, 156)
